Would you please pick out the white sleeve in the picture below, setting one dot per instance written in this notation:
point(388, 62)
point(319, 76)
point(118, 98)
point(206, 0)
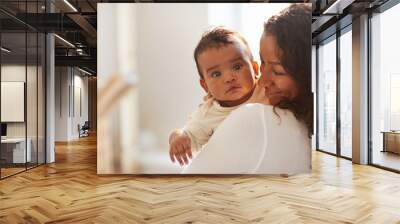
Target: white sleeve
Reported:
point(237, 145)
point(197, 129)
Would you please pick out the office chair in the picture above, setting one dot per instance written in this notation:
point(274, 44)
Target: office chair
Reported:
point(84, 130)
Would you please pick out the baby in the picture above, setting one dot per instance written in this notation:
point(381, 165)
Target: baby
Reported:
point(228, 73)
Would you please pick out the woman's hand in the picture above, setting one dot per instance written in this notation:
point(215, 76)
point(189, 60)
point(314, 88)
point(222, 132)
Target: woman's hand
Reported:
point(180, 147)
point(259, 96)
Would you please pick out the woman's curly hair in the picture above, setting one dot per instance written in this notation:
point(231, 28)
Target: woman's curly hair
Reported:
point(292, 30)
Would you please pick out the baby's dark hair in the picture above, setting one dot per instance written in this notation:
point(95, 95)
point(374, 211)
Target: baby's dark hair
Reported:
point(218, 37)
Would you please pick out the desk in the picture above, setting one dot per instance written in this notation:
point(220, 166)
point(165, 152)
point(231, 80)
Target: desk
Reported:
point(391, 141)
point(15, 148)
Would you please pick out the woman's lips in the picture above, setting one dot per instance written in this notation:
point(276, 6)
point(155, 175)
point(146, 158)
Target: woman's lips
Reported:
point(274, 96)
point(272, 93)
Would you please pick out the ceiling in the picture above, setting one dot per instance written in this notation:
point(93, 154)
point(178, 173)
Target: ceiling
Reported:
point(329, 16)
point(76, 22)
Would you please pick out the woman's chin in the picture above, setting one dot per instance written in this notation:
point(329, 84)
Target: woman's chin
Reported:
point(275, 99)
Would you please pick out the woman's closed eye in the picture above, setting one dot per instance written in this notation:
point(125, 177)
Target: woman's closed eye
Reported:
point(275, 72)
point(263, 65)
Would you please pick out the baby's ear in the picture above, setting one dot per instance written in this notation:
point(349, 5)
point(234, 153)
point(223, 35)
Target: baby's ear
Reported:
point(256, 69)
point(204, 85)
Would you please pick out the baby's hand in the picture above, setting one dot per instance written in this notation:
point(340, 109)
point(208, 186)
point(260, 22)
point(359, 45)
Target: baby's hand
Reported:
point(180, 147)
point(207, 97)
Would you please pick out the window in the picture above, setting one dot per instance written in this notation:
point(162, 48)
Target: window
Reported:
point(22, 76)
point(385, 89)
point(327, 96)
point(394, 102)
point(346, 93)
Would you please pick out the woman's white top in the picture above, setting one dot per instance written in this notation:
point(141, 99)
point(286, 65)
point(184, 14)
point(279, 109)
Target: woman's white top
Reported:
point(253, 139)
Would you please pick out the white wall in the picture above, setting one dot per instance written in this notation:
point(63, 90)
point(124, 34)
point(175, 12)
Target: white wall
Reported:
point(68, 82)
point(79, 117)
point(61, 103)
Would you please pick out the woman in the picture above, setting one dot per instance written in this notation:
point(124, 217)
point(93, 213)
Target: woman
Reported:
point(270, 139)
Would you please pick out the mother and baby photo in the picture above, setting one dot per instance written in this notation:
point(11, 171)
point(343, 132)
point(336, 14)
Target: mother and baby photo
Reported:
point(247, 109)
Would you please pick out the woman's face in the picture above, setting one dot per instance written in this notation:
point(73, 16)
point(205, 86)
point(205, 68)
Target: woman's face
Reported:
point(276, 81)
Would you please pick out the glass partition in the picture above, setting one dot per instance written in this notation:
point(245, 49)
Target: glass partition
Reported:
point(14, 153)
point(385, 89)
point(22, 88)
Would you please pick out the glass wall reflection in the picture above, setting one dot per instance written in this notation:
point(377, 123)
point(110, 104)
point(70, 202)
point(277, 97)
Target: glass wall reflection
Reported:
point(15, 151)
point(385, 89)
point(22, 88)
point(327, 95)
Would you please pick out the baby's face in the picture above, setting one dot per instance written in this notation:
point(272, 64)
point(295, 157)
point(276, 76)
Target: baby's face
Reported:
point(228, 73)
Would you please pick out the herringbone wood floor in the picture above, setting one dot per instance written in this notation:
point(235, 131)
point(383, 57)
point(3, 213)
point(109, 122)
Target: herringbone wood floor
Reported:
point(69, 191)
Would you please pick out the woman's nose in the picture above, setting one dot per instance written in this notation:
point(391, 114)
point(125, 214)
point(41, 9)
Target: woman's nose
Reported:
point(264, 76)
point(262, 68)
point(266, 80)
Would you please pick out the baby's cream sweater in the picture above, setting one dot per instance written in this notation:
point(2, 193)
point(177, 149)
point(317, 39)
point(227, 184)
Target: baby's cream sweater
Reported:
point(203, 122)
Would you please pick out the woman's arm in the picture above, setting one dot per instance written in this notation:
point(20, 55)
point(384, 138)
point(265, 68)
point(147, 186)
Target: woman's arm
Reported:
point(237, 146)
